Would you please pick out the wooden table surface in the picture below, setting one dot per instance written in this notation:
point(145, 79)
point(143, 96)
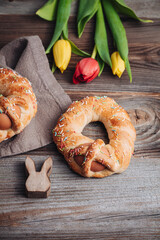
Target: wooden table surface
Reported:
point(124, 206)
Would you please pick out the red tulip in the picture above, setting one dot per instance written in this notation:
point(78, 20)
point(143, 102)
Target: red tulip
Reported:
point(86, 70)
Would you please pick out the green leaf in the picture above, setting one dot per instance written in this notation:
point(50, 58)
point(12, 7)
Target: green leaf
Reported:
point(54, 67)
point(74, 48)
point(101, 37)
point(128, 68)
point(122, 8)
point(65, 31)
point(101, 64)
point(86, 10)
point(63, 12)
point(117, 28)
point(78, 51)
point(118, 32)
point(48, 10)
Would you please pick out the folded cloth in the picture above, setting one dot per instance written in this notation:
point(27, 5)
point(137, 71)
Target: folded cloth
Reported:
point(26, 56)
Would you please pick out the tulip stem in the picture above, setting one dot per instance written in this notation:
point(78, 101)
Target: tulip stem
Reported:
point(94, 52)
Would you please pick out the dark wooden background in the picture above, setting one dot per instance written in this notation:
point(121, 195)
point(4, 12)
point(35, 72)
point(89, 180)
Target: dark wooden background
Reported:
point(125, 206)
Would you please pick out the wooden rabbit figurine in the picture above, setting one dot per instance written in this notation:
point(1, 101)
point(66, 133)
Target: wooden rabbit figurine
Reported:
point(38, 184)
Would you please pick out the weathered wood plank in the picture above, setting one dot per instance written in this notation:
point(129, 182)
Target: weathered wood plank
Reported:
point(125, 205)
point(144, 49)
point(145, 8)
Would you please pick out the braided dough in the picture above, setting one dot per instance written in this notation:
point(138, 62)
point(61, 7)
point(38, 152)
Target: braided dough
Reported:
point(92, 158)
point(17, 103)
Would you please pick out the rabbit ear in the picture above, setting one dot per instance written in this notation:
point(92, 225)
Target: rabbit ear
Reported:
point(30, 166)
point(47, 166)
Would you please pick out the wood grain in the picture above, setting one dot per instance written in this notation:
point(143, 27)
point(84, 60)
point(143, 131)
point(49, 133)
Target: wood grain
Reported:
point(119, 207)
point(124, 206)
point(142, 8)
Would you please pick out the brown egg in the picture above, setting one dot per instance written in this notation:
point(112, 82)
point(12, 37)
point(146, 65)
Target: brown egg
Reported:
point(5, 122)
point(95, 166)
point(18, 110)
point(79, 159)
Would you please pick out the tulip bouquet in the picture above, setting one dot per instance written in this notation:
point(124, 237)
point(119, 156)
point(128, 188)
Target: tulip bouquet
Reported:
point(92, 65)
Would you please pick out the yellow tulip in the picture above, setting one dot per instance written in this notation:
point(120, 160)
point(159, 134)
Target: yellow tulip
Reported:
point(62, 54)
point(118, 65)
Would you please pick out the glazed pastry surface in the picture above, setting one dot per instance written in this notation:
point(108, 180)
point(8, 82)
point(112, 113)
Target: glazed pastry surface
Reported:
point(18, 103)
point(92, 158)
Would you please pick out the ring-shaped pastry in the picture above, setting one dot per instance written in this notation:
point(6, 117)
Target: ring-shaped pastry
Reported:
point(18, 103)
point(92, 158)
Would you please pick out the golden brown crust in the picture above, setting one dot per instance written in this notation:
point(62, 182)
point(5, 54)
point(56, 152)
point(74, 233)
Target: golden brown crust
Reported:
point(115, 156)
point(16, 92)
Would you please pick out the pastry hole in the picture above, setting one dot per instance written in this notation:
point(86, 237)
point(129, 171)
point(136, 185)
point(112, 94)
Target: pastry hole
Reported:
point(96, 130)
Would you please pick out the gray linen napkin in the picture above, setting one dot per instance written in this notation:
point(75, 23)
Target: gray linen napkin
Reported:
point(26, 55)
